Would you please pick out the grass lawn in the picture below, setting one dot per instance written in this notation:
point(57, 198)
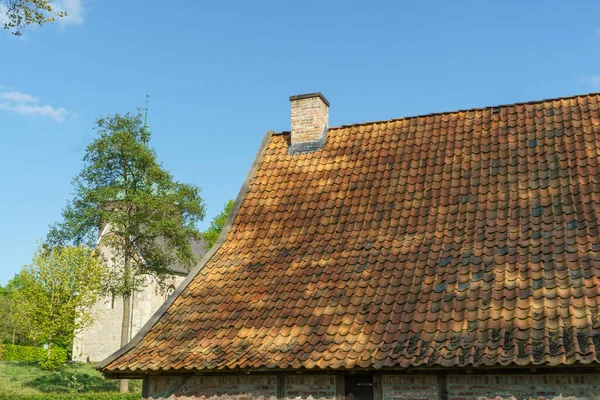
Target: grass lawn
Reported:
point(20, 378)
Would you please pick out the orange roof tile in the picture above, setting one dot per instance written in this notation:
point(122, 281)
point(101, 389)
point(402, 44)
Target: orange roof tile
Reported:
point(466, 238)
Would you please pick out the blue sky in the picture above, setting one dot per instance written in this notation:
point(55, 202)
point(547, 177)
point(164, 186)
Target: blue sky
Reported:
point(220, 73)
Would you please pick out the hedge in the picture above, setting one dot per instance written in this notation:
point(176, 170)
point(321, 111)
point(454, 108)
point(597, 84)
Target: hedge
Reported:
point(77, 396)
point(57, 357)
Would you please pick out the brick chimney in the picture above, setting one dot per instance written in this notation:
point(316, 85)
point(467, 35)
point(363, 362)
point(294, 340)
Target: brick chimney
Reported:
point(310, 120)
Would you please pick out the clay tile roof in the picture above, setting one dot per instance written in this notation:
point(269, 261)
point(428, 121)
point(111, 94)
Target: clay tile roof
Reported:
point(457, 239)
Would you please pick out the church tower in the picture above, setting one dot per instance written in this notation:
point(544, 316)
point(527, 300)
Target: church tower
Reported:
point(103, 336)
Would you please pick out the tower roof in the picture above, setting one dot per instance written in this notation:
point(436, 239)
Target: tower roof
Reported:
point(146, 131)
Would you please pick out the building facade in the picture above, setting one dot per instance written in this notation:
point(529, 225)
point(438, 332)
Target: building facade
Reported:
point(450, 256)
point(103, 336)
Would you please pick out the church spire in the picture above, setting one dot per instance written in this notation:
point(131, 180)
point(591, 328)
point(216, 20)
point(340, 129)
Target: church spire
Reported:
point(146, 129)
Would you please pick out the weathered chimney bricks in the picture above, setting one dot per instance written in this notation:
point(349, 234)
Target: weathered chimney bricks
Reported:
point(310, 120)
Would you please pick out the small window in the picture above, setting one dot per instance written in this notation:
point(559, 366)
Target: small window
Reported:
point(170, 291)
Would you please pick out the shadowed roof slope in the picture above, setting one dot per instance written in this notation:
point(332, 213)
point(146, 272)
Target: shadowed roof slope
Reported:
point(464, 238)
point(197, 247)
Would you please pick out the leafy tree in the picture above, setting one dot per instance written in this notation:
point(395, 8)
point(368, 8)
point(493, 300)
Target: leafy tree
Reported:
point(147, 219)
point(57, 292)
point(10, 332)
point(6, 326)
point(216, 226)
point(17, 14)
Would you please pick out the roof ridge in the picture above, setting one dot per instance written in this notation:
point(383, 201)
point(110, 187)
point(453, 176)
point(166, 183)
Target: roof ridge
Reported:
point(520, 103)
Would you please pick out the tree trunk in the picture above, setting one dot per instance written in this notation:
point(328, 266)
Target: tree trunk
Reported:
point(125, 328)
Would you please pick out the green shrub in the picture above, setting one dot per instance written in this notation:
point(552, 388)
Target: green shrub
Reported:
point(2, 351)
point(47, 360)
point(23, 353)
point(57, 357)
point(77, 396)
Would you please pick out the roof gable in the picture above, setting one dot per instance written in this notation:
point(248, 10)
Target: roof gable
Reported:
point(457, 239)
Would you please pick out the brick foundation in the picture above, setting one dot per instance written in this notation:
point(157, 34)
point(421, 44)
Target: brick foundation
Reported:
point(393, 387)
point(524, 387)
point(301, 387)
point(213, 387)
point(409, 387)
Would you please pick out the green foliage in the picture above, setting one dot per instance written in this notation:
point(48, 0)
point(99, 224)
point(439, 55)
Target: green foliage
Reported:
point(6, 326)
point(77, 396)
point(10, 332)
point(47, 359)
point(56, 293)
point(20, 13)
point(55, 357)
point(74, 380)
point(216, 225)
point(148, 218)
point(24, 353)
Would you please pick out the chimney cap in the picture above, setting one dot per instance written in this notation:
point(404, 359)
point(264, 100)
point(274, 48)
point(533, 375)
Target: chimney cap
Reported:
point(310, 95)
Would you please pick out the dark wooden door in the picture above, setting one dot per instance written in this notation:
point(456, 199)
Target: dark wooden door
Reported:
point(358, 387)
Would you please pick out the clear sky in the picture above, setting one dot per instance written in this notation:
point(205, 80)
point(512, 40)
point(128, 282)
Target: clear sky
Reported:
point(220, 73)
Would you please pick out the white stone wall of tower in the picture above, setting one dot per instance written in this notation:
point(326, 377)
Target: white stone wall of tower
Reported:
point(103, 336)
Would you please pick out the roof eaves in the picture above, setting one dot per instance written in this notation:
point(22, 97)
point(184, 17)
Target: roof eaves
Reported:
point(498, 368)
